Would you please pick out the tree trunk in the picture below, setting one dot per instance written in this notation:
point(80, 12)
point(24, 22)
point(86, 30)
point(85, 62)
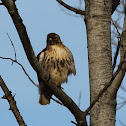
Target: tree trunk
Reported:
point(98, 25)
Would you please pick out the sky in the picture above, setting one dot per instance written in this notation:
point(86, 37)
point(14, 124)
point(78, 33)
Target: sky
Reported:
point(41, 18)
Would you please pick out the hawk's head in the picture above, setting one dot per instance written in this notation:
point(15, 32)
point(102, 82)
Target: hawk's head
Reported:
point(53, 39)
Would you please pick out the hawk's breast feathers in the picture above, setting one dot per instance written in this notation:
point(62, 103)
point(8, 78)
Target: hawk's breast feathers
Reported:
point(58, 61)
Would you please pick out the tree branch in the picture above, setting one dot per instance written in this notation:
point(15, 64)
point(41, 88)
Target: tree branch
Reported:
point(77, 11)
point(118, 46)
point(12, 102)
point(115, 3)
point(116, 55)
point(22, 69)
point(12, 46)
point(66, 100)
point(57, 101)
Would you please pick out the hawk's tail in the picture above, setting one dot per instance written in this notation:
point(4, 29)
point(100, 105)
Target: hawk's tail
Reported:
point(45, 93)
point(44, 99)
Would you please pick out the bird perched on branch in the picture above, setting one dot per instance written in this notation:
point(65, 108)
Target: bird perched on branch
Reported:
point(58, 62)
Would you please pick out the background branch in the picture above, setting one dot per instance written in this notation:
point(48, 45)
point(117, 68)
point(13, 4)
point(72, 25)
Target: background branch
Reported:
point(116, 55)
point(57, 101)
point(115, 3)
point(12, 46)
point(22, 68)
point(118, 46)
point(12, 102)
point(77, 11)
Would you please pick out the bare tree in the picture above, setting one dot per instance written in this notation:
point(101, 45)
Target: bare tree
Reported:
point(104, 82)
point(98, 21)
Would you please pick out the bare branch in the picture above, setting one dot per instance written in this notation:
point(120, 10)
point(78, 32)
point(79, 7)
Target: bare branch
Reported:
point(122, 97)
point(12, 102)
point(118, 46)
point(121, 104)
point(74, 123)
point(12, 46)
point(116, 28)
point(123, 88)
point(57, 101)
point(66, 12)
point(115, 3)
point(77, 11)
point(79, 99)
point(122, 123)
point(116, 55)
point(22, 68)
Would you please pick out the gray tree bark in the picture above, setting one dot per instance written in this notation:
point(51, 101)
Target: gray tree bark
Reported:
point(98, 25)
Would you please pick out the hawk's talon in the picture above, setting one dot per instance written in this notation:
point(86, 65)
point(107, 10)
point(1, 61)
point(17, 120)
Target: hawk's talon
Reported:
point(59, 86)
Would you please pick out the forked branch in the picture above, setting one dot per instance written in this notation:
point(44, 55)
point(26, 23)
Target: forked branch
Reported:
point(12, 102)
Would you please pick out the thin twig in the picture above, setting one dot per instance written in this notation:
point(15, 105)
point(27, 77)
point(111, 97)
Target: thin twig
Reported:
point(57, 101)
point(116, 55)
point(12, 46)
point(22, 68)
point(74, 123)
point(121, 97)
point(122, 123)
point(66, 12)
point(115, 27)
point(77, 11)
point(121, 105)
point(118, 46)
point(79, 99)
point(123, 88)
point(12, 102)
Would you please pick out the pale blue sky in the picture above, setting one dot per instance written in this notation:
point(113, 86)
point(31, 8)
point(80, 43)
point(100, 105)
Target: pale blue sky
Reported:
point(41, 18)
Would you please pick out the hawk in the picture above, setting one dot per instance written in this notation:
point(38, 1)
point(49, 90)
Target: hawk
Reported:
point(57, 60)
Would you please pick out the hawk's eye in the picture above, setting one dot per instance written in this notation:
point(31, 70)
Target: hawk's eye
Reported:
point(50, 39)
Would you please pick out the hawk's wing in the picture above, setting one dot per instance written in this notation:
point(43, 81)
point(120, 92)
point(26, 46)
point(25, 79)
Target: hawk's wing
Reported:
point(45, 93)
point(40, 56)
point(70, 62)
